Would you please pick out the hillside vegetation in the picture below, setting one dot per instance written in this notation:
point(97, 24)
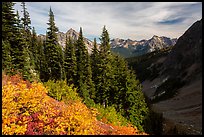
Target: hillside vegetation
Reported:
point(28, 110)
point(100, 80)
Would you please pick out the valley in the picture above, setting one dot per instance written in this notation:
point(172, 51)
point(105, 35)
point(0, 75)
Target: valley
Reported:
point(180, 107)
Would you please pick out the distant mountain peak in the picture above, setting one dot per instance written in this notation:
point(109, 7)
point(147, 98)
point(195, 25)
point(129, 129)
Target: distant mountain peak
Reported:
point(155, 36)
point(130, 47)
point(74, 35)
point(71, 30)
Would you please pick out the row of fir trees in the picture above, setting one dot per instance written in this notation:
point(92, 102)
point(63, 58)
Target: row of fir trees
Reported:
point(101, 77)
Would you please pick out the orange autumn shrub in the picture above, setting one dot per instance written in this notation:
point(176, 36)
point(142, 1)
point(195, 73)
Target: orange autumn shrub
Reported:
point(111, 129)
point(28, 110)
point(126, 130)
point(31, 111)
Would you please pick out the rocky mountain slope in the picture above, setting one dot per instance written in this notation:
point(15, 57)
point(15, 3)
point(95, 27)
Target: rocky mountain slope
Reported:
point(177, 88)
point(130, 48)
point(74, 35)
point(185, 59)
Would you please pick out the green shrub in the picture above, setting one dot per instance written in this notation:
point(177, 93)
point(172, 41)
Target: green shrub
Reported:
point(110, 115)
point(59, 90)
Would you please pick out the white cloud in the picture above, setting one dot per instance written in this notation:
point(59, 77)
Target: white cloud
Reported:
point(134, 20)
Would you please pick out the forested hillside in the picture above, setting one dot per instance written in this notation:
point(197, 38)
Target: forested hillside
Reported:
point(60, 88)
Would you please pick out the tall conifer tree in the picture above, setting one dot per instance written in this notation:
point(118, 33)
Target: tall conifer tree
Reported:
point(94, 68)
point(26, 18)
point(105, 70)
point(53, 51)
point(84, 74)
point(26, 24)
point(70, 64)
point(36, 50)
point(8, 27)
point(81, 63)
point(12, 35)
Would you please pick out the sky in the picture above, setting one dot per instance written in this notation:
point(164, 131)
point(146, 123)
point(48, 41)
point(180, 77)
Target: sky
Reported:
point(133, 20)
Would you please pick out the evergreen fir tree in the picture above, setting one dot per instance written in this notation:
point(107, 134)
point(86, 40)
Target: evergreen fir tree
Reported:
point(70, 63)
point(8, 21)
point(84, 73)
point(52, 29)
point(116, 85)
point(89, 81)
point(6, 57)
point(53, 51)
point(36, 50)
point(20, 25)
point(105, 41)
point(134, 102)
point(44, 72)
point(26, 19)
point(104, 70)
point(12, 35)
point(81, 63)
point(94, 68)
point(26, 22)
point(8, 27)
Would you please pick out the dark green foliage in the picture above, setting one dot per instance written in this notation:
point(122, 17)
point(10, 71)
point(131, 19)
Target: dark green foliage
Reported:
point(116, 85)
point(135, 106)
point(54, 61)
point(26, 34)
point(26, 26)
point(53, 52)
point(6, 56)
point(8, 21)
point(9, 30)
point(94, 67)
point(52, 29)
point(105, 41)
point(15, 50)
point(19, 24)
point(84, 73)
point(104, 76)
point(89, 81)
point(26, 18)
point(81, 63)
point(44, 73)
point(40, 64)
point(70, 64)
point(35, 49)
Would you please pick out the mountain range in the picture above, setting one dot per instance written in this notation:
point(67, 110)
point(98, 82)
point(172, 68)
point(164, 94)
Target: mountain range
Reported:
point(74, 35)
point(130, 48)
point(125, 48)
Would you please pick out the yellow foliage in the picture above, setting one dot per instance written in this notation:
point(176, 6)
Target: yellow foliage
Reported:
point(23, 108)
point(28, 110)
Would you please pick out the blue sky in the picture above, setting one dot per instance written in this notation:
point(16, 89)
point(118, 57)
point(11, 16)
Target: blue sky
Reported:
point(134, 20)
